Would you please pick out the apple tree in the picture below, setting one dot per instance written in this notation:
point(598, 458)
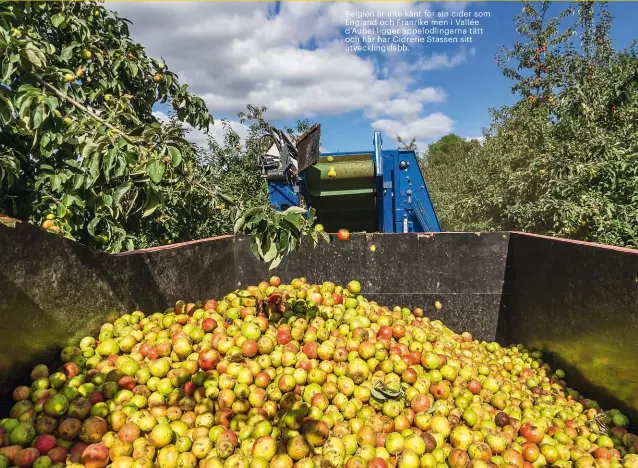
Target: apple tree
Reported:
point(441, 164)
point(79, 140)
point(81, 151)
point(561, 160)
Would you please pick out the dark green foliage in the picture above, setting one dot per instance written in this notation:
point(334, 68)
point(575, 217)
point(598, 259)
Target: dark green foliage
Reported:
point(79, 141)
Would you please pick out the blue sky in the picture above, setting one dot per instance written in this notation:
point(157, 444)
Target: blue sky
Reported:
point(472, 87)
point(291, 58)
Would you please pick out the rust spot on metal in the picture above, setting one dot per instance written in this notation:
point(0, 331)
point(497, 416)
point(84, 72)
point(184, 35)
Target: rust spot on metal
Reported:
point(173, 246)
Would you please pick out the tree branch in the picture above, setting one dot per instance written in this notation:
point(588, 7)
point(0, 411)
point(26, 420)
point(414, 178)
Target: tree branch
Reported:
point(126, 137)
point(84, 109)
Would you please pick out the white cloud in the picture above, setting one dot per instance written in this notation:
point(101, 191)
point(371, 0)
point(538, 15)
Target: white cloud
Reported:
point(216, 130)
point(161, 116)
point(480, 139)
point(407, 105)
point(431, 126)
point(294, 62)
point(437, 61)
point(428, 94)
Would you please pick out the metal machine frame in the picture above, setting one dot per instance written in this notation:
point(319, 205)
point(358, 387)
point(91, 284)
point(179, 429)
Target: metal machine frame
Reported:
point(403, 203)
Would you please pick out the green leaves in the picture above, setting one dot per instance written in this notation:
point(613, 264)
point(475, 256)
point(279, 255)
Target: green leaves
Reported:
point(34, 55)
point(274, 234)
point(381, 392)
point(67, 50)
point(76, 129)
point(176, 156)
point(7, 71)
point(79, 141)
point(122, 190)
point(9, 169)
point(92, 225)
point(254, 216)
point(57, 19)
point(153, 202)
point(6, 110)
point(155, 170)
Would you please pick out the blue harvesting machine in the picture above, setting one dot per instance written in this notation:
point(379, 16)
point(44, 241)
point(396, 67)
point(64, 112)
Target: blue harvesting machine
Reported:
point(362, 191)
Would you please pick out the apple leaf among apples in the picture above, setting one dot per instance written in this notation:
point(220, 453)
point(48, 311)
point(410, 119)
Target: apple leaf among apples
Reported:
point(274, 234)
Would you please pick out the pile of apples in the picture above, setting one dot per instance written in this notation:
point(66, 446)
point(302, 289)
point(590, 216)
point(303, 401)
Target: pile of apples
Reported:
point(299, 376)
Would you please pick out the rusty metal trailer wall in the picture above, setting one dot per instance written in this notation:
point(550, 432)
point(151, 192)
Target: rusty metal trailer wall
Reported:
point(465, 272)
point(54, 291)
point(576, 302)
